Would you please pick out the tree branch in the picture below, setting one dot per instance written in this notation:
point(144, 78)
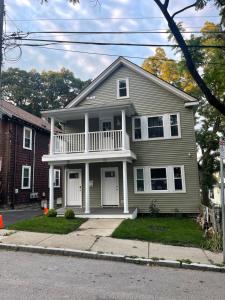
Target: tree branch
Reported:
point(189, 61)
point(166, 3)
point(183, 9)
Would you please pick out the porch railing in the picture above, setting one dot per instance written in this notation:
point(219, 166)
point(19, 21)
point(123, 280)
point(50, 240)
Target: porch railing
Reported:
point(97, 141)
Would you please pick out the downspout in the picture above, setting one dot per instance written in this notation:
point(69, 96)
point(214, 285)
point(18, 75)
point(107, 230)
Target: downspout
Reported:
point(9, 158)
point(14, 169)
point(34, 160)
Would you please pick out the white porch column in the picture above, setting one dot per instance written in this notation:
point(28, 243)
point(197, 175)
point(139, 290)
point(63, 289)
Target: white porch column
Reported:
point(87, 189)
point(123, 129)
point(51, 186)
point(86, 132)
point(51, 148)
point(125, 188)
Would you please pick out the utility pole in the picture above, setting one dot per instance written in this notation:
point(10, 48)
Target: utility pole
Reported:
point(2, 7)
point(222, 157)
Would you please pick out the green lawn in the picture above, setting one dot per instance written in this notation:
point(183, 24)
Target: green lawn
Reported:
point(48, 225)
point(165, 230)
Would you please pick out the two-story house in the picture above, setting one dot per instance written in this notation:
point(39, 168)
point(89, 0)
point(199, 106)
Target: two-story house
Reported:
point(128, 142)
point(24, 138)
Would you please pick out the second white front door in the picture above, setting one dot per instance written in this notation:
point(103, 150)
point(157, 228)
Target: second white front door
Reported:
point(74, 188)
point(110, 186)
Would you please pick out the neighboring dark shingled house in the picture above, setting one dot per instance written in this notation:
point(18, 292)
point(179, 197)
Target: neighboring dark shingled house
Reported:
point(24, 138)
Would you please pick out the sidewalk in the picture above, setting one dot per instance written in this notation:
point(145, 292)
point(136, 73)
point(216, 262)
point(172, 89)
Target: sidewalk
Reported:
point(94, 235)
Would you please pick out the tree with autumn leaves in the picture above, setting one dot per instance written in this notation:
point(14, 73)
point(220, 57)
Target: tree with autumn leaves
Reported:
point(210, 123)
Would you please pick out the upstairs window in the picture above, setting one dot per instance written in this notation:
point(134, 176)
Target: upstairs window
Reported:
point(26, 177)
point(137, 128)
point(27, 138)
point(123, 88)
point(155, 127)
point(174, 130)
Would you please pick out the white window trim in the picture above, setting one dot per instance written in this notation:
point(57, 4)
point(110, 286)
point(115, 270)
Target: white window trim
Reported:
point(166, 127)
point(29, 181)
point(170, 180)
point(127, 87)
point(30, 130)
point(57, 171)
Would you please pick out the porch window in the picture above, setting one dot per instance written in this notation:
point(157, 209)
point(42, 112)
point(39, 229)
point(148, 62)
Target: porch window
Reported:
point(137, 128)
point(140, 180)
point(155, 127)
point(56, 178)
point(174, 125)
point(26, 177)
point(158, 179)
point(123, 88)
point(27, 138)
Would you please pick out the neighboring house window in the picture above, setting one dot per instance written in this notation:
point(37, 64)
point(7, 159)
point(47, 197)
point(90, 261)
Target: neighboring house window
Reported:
point(140, 180)
point(168, 179)
point(56, 178)
point(211, 193)
point(137, 128)
point(166, 126)
point(27, 138)
point(158, 179)
point(123, 88)
point(155, 127)
point(26, 177)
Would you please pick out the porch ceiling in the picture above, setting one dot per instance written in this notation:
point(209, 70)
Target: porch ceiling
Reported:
point(66, 114)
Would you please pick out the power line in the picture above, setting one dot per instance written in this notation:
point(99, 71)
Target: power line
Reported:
point(113, 44)
point(107, 18)
point(112, 55)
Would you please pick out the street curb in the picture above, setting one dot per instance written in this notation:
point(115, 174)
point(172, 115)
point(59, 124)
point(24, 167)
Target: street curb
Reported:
point(112, 257)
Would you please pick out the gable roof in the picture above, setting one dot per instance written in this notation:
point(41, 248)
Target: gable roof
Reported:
point(11, 110)
point(121, 61)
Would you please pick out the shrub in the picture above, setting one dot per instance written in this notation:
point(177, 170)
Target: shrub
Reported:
point(153, 208)
point(69, 214)
point(52, 213)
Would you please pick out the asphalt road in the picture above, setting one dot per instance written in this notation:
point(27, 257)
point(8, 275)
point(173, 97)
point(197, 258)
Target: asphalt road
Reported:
point(34, 276)
point(13, 216)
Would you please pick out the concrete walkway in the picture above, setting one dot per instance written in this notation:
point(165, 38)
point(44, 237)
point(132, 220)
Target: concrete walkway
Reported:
point(94, 235)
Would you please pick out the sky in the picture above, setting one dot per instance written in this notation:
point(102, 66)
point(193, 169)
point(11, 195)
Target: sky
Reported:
point(60, 15)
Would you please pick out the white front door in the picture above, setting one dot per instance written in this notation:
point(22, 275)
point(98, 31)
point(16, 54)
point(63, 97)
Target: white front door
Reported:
point(74, 188)
point(110, 186)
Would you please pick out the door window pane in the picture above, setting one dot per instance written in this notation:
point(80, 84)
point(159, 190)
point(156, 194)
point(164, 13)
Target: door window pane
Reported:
point(74, 175)
point(110, 174)
point(158, 179)
point(155, 127)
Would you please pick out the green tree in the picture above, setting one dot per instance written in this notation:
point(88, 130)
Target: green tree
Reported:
point(210, 122)
point(34, 91)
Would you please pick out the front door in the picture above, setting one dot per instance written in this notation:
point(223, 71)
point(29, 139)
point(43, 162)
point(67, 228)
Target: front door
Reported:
point(74, 188)
point(110, 186)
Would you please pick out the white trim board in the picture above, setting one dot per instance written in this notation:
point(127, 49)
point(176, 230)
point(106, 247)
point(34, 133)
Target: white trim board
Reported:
point(122, 61)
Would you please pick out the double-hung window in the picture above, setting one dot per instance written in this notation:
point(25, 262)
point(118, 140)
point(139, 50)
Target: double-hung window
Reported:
point(155, 127)
point(56, 178)
point(162, 179)
point(158, 179)
point(26, 177)
point(137, 129)
point(166, 126)
point(123, 88)
point(27, 138)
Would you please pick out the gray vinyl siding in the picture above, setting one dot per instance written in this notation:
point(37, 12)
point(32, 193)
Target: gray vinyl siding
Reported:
point(150, 99)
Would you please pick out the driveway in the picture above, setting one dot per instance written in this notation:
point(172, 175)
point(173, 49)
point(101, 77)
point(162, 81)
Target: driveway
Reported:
point(13, 216)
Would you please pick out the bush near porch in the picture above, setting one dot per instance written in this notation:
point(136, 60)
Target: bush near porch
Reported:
point(165, 230)
point(48, 225)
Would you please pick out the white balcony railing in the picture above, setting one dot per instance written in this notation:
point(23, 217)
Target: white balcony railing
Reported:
point(97, 141)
